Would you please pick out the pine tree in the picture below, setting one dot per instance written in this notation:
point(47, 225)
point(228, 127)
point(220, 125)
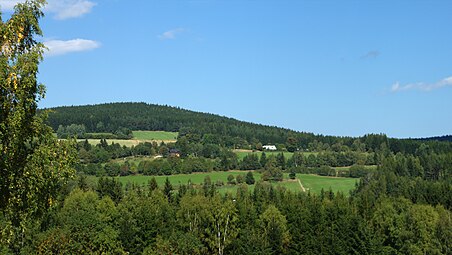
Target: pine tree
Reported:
point(249, 179)
point(153, 184)
point(167, 189)
point(263, 159)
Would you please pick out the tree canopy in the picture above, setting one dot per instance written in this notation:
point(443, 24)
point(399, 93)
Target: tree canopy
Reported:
point(33, 164)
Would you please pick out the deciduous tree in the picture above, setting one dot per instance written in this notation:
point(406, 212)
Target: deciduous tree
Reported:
point(33, 164)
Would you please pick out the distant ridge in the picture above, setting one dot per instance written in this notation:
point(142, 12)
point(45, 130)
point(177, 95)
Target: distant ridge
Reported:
point(444, 138)
point(211, 128)
point(142, 116)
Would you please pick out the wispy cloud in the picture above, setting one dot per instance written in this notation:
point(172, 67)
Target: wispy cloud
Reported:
point(421, 86)
point(66, 9)
point(9, 4)
point(371, 54)
point(171, 34)
point(59, 47)
point(62, 9)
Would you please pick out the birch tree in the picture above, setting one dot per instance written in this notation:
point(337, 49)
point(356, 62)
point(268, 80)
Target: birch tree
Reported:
point(33, 164)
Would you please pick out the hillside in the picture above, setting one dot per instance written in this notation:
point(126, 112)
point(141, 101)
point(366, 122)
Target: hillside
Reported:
point(141, 116)
point(214, 129)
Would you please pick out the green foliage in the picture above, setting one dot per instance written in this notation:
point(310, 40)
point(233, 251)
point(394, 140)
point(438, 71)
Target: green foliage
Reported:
point(231, 179)
point(272, 172)
point(89, 224)
point(167, 189)
point(33, 164)
point(143, 219)
point(292, 175)
point(250, 162)
point(153, 184)
point(110, 187)
point(240, 179)
point(273, 226)
point(249, 179)
point(221, 221)
point(71, 131)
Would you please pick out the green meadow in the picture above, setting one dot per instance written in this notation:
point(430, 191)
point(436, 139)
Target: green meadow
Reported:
point(154, 135)
point(315, 183)
point(312, 183)
point(139, 137)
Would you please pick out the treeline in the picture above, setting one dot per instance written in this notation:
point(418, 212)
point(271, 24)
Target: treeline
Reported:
point(97, 160)
point(425, 163)
point(110, 219)
point(79, 131)
point(443, 138)
point(213, 129)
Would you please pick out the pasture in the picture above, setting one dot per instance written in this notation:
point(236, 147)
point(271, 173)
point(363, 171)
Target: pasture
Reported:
point(140, 137)
point(313, 183)
point(154, 135)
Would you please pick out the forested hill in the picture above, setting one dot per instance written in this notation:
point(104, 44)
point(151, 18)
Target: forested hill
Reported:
point(214, 129)
point(141, 116)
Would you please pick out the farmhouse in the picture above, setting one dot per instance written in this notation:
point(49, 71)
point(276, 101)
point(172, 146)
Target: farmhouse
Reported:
point(269, 147)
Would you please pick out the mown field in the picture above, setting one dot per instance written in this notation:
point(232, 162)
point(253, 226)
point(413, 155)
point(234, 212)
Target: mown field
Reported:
point(140, 137)
point(154, 135)
point(313, 183)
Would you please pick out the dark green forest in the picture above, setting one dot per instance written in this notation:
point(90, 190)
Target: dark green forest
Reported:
point(209, 128)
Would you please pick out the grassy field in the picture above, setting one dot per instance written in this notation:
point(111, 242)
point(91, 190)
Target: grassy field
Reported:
point(313, 183)
point(154, 135)
point(140, 137)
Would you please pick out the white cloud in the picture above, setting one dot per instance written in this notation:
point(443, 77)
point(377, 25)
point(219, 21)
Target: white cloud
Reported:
point(446, 82)
point(66, 9)
point(63, 9)
point(171, 34)
point(59, 47)
point(9, 4)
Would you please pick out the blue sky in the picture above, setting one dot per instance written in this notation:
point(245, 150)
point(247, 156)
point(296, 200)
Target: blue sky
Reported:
point(330, 67)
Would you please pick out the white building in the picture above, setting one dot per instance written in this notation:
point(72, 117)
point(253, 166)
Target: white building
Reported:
point(269, 147)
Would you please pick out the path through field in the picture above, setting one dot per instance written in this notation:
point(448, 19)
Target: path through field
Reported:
point(301, 185)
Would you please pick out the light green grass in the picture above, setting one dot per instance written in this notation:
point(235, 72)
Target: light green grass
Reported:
point(154, 135)
point(139, 137)
point(315, 183)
